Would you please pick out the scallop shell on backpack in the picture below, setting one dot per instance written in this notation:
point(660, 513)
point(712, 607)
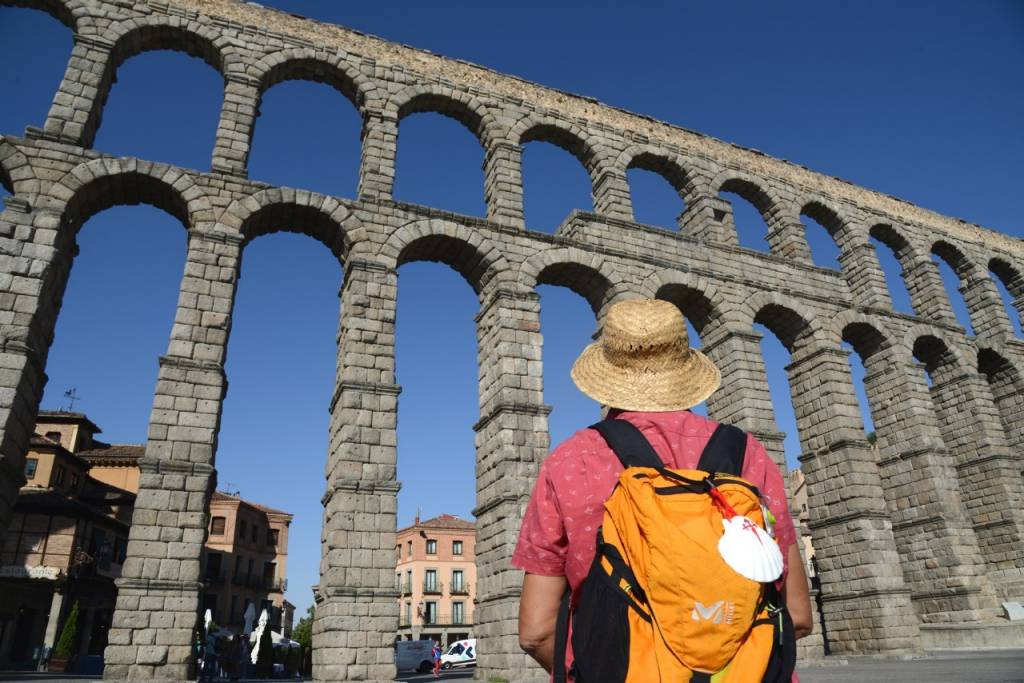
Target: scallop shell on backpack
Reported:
point(749, 550)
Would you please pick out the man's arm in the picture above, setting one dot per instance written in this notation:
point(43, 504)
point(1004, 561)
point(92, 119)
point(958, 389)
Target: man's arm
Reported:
point(538, 613)
point(796, 593)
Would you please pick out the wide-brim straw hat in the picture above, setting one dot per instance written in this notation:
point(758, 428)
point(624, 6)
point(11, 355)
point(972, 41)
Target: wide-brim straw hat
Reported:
point(643, 361)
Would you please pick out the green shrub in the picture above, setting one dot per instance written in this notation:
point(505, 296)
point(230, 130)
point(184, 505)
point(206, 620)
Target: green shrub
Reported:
point(66, 642)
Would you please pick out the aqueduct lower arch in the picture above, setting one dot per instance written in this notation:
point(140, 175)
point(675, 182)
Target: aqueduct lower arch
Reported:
point(891, 571)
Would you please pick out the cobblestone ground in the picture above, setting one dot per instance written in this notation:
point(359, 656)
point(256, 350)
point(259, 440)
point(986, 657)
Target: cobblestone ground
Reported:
point(997, 666)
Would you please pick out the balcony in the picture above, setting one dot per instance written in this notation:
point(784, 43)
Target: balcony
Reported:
point(461, 588)
point(405, 587)
point(433, 588)
point(446, 620)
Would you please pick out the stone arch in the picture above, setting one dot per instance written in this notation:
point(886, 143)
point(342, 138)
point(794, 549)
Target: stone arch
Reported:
point(955, 257)
point(323, 218)
point(100, 184)
point(1011, 276)
point(16, 173)
point(583, 272)
point(698, 298)
point(1006, 381)
point(903, 248)
point(865, 334)
point(135, 36)
point(779, 314)
point(471, 255)
point(669, 166)
point(468, 110)
point(754, 190)
point(567, 136)
point(751, 189)
point(932, 348)
point(833, 220)
point(306, 64)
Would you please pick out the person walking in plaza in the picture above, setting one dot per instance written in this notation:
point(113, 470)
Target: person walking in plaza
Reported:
point(644, 372)
point(436, 654)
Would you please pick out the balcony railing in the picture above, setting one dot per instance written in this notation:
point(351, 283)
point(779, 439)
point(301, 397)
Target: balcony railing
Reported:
point(435, 588)
point(446, 620)
point(461, 588)
point(405, 587)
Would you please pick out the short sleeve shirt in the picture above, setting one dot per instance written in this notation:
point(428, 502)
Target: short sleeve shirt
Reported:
point(557, 537)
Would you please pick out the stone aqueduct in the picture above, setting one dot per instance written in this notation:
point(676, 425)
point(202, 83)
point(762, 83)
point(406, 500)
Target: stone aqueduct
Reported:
point(924, 532)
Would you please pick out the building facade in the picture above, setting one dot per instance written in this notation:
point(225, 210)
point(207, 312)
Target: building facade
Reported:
point(245, 562)
point(66, 545)
point(435, 575)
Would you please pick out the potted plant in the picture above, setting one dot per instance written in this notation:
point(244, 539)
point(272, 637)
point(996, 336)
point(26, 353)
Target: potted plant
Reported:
point(66, 643)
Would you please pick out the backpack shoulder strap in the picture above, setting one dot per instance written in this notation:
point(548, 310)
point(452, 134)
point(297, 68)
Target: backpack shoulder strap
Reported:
point(725, 451)
point(630, 445)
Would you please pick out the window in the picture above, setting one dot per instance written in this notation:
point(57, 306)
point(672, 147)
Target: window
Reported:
point(53, 436)
point(456, 547)
point(408, 581)
point(408, 613)
point(457, 613)
point(233, 614)
point(217, 526)
point(272, 537)
point(410, 548)
point(430, 612)
point(248, 574)
point(430, 580)
point(457, 647)
point(243, 527)
point(398, 581)
point(431, 546)
point(238, 569)
point(457, 580)
point(58, 476)
point(213, 569)
point(254, 536)
point(74, 480)
point(30, 467)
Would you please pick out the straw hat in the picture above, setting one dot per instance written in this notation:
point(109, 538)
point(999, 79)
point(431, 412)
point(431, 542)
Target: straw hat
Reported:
point(643, 361)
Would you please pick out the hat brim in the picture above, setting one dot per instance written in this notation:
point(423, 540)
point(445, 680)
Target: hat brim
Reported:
point(678, 387)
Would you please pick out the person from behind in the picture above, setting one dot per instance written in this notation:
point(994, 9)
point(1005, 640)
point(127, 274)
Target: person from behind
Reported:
point(741, 570)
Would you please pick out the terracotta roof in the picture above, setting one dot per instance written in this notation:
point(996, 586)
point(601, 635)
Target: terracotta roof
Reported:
point(224, 496)
point(444, 521)
point(127, 453)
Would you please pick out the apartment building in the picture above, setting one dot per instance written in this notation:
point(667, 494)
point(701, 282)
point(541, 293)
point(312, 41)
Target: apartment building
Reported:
point(65, 545)
point(435, 574)
point(246, 559)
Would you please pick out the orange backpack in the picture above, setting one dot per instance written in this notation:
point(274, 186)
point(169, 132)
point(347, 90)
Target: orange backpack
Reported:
point(660, 603)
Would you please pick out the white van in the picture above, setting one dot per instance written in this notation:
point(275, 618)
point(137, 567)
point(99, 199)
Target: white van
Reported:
point(414, 654)
point(461, 653)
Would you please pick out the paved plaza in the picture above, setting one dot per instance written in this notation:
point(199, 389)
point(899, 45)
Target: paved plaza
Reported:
point(993, 666)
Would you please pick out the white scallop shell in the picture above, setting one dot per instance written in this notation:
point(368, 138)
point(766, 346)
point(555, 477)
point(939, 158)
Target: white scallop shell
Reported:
point(749, 550)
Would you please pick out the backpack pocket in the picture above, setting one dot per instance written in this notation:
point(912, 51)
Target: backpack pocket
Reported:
point(601, 623)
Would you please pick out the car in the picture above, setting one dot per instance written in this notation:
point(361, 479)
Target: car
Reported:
point(415, 655)
point(461, 653)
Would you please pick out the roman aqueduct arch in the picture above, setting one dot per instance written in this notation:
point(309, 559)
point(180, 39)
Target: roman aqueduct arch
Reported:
point(910, 535)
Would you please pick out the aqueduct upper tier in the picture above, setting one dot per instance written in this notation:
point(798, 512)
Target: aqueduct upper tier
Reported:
point(918, 533)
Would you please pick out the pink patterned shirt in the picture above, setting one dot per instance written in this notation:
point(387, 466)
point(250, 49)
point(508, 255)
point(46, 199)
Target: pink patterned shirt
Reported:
point(557, 537)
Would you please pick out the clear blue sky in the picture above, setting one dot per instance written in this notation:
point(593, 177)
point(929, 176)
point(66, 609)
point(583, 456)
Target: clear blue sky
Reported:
point(922, 100)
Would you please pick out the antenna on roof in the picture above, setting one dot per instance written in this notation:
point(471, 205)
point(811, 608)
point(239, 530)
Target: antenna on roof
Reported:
point(72, 396)
point(417, 514)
